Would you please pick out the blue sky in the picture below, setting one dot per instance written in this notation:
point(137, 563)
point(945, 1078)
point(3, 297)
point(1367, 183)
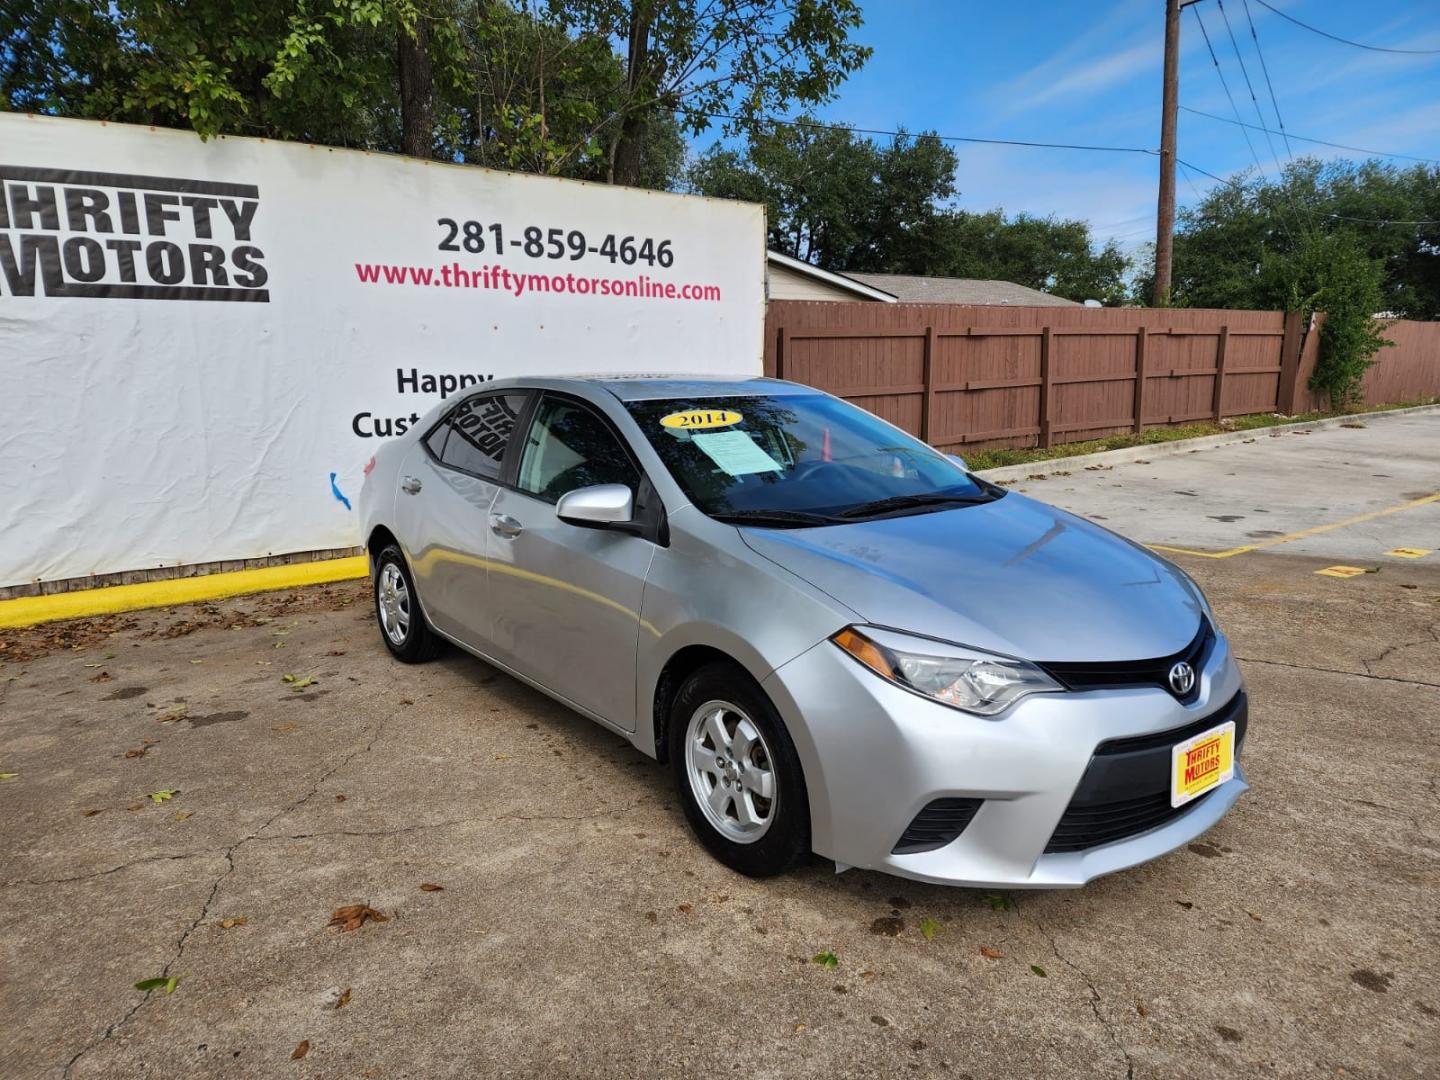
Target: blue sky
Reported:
point(1090, 72)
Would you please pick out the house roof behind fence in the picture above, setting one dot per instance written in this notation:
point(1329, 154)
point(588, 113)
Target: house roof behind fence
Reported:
point(913, 289)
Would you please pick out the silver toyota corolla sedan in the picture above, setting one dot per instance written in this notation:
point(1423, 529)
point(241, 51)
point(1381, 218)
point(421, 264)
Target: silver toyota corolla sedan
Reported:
point(840, 640)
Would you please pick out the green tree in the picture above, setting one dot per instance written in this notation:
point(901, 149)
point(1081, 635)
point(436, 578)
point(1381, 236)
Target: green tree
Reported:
point(835, 200)
point(1225, 242)
point(732, 61)
point(844, 203)
point(603, 89)
point(1335, 275)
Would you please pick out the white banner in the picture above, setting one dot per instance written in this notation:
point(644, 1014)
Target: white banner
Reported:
point(202, 343)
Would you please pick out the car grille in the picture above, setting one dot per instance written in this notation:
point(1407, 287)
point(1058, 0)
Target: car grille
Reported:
point(938, 824)
point(1091, 826)
point(1118, 674)
point(1126, 788)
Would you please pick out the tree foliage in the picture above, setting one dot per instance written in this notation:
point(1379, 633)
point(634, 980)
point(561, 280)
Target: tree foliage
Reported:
point(845, 202)
point(602, 89)
point(1227, 246)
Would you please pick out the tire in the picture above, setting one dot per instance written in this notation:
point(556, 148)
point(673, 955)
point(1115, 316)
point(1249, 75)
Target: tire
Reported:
point(397, 611)
point(753, 834)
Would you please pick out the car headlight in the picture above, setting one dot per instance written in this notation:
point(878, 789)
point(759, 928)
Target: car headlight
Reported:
point(966, 679)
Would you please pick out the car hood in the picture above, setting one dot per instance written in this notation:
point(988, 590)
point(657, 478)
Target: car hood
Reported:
point(1013, 576)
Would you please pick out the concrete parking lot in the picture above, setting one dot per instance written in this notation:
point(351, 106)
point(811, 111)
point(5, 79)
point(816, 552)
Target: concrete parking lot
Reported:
point(578, 930)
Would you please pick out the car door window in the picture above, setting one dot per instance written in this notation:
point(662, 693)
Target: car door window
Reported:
point(473, 436)
point(569, 446)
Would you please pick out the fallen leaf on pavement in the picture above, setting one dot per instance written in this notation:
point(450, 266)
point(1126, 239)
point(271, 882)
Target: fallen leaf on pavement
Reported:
point(230, 924)
point(343, 999)
point(300, 1051)
point(991, 954)
point(339, 798)
point(182, 815)
point(139, 752)
point(1038, 970)
point(1254, 916)
point(168, 985)
point(8, 775)
point(354, 916)
point(175, 712)
point(164, 794)
point(428, 887)
point(683, 908)
point(998, 903)
point(930, 927)
point(284, 729)
point(1141, 1009)
point(92, 813)
point(826, 959)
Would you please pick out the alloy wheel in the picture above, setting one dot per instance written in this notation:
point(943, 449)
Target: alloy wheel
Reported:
point(393, 603)
point(731, 771)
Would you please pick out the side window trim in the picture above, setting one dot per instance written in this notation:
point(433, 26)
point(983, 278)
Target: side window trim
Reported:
point(521, 424)
point(532, 413)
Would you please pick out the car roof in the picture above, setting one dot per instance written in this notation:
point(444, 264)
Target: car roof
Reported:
point(644, 387)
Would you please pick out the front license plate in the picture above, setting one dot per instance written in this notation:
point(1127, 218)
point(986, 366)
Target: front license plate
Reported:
point(1201, 763)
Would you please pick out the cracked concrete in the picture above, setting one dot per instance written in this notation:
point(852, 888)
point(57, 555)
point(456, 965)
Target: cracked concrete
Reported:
point(580, 931)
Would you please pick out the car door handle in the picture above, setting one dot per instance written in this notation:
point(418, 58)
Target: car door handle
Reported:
point(411, 485)
point(505, 525)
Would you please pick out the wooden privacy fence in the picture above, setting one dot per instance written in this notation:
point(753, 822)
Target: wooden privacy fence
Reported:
point(1025, 376)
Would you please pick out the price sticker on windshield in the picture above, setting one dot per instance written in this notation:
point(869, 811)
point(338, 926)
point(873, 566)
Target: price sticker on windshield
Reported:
point(700, 419)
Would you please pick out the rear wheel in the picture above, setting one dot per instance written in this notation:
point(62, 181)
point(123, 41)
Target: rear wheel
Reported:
point(397, 609)
point(737, 773)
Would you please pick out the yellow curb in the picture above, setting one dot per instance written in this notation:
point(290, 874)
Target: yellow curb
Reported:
point(29, 610)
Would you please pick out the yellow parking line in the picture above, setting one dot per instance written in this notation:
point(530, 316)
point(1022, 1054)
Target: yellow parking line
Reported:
point(1203, 554)
point(1371, 516)
point(1303, 533)
point(29, 610)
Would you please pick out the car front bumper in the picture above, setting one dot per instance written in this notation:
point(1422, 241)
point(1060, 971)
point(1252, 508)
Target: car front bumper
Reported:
point(875, 755)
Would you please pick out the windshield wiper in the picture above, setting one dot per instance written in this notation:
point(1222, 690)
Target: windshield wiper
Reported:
point(779, 518)
point(907, 502)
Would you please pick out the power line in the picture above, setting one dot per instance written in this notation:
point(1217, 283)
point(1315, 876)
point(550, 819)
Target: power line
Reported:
point(1265, 68)
point(1231, 97)
point(1345, 41)
point(1317, 142)
point(1274, 157)
point(913, 135)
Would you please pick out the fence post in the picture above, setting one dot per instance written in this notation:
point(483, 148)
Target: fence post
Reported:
point(1140, 376)
point(927, 402)
point(1047, 438)
point(1288, 385)
point(782, 346)
point(1220, 351)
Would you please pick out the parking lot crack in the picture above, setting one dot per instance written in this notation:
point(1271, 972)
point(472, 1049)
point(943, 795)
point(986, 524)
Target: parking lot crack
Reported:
point(102, 873)
point(1109, 1028)
point(229, 857)
point(1337, 671)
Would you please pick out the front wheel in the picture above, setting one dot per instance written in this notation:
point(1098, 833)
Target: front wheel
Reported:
point(737, 773)
point(397, 609)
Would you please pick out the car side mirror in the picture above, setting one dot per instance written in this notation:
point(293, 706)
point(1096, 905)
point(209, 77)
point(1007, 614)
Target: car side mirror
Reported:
point(601, 506)
point(958, 460)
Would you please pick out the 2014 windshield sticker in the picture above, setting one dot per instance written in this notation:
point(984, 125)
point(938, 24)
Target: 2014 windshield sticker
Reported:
point(700, 419)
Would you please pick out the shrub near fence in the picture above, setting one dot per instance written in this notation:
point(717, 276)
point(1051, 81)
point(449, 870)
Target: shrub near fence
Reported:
point(1011, 376)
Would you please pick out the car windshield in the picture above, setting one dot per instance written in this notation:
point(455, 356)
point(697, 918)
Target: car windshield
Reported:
point(796, 460)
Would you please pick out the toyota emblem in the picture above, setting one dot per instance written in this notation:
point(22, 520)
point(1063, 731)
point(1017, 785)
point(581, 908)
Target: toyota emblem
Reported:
point(1182, 678)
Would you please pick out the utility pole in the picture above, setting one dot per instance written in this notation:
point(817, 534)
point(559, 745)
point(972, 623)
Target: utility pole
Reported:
point(1169, 114)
